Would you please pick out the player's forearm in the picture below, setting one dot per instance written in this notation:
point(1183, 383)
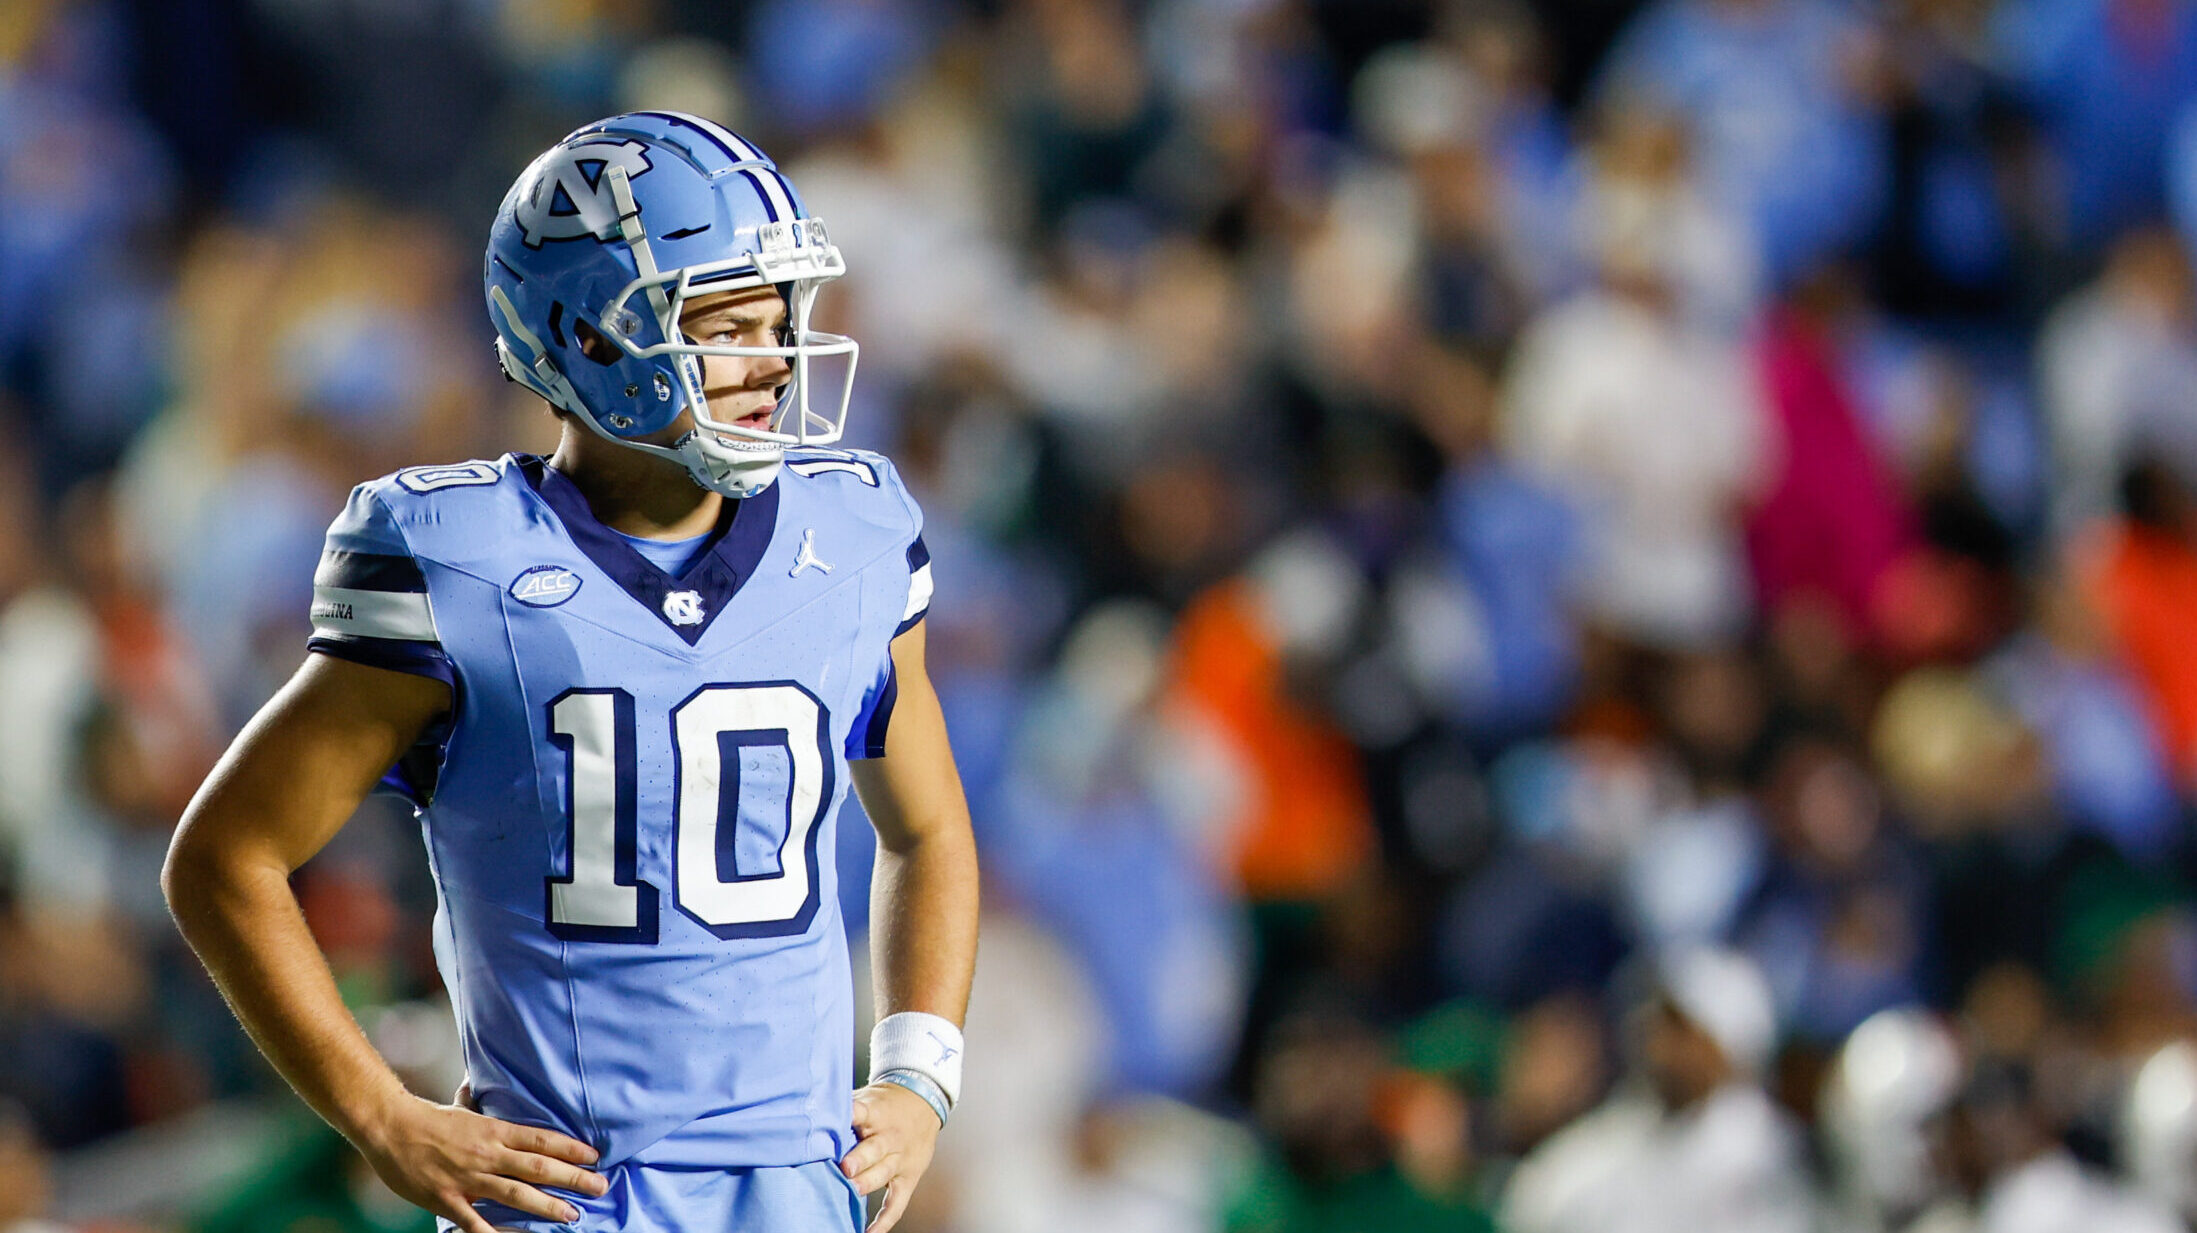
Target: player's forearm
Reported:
point(923, 915)
point(246, 926)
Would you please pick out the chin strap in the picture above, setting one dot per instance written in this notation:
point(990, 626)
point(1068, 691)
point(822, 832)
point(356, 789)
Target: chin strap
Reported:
point(726, 470)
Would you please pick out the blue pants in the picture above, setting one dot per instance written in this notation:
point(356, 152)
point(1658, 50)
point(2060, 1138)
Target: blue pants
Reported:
point(810, 1198)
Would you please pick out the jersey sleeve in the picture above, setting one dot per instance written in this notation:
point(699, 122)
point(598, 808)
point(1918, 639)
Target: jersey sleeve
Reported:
point(370, 601)
point(918, 553)
point(867, 737)
point(919, 585)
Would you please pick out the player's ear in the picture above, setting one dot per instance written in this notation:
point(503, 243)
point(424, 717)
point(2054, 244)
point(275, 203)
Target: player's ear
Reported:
point(592, 343)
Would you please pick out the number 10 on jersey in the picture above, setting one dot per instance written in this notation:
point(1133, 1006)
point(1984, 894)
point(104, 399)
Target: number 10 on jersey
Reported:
point(601, 897)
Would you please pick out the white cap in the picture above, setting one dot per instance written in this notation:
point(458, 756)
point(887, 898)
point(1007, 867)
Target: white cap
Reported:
point(1902, 1067)
point(2159, 1126)
point(1723, 993)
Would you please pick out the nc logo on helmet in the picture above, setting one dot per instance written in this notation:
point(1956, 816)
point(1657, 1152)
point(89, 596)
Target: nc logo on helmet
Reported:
point(570, 195)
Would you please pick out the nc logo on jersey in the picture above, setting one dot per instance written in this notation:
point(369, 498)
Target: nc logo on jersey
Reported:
point(683, 608)
point(570, 196)
point(545, 586)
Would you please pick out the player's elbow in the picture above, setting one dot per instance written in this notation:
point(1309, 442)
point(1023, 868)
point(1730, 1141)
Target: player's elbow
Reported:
point(186, 878)
point(940, 834)
point(201, 875)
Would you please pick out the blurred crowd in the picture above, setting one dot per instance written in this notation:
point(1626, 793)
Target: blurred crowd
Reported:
point(1568, 617)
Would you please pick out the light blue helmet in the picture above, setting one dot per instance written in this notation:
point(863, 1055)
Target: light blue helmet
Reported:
point(617, 226)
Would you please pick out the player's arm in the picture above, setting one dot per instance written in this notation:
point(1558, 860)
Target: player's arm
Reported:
point(923, 917)
point(284, 788)
point(923, 895)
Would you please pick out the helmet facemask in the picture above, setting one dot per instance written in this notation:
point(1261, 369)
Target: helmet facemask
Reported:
point(795, 256)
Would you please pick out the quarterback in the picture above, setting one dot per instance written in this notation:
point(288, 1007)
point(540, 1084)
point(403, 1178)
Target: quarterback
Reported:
point(626, 687)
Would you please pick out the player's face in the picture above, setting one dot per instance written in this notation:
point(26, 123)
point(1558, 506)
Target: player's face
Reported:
point(741, 389)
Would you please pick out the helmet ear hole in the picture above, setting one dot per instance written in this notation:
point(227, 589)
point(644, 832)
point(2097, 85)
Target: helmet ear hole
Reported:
point(592, 343)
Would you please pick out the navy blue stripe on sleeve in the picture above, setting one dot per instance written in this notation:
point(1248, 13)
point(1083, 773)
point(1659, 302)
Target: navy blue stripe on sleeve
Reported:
point(919, 560)
point(880, 716)
point(396, 654)
point(368, 571)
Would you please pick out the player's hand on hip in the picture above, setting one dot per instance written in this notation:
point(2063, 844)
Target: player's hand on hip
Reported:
point(442, 1157)
point(896, 1133)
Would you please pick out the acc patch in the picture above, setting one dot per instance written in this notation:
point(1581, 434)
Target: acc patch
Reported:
point(545, 586)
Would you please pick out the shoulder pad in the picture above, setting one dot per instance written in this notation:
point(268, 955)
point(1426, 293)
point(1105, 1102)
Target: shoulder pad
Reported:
point(867, 480)
point(424, 506)
point(439, 477)
point(862, 465)
point(416, 494)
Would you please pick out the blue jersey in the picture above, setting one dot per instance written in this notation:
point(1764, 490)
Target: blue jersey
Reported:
point(630, 811)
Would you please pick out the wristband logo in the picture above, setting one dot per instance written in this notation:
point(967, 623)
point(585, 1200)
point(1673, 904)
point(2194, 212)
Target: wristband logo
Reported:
point(945, 1051)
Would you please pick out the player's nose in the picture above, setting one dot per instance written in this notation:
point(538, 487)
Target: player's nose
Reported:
point(769, 372)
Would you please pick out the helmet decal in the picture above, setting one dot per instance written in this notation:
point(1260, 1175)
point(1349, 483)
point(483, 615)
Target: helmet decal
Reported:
point(570, 196)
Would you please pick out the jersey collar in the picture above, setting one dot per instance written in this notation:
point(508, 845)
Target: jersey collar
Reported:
point(742, 533)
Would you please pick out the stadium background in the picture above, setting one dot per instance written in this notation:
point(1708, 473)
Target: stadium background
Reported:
point(1439, 508)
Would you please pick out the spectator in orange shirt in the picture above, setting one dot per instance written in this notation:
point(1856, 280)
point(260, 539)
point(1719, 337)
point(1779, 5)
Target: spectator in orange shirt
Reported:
point(2141, 572)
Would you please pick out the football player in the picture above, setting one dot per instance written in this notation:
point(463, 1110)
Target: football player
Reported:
point(627, 687)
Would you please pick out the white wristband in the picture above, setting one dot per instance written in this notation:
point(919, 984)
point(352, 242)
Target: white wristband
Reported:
point(926, 1044)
